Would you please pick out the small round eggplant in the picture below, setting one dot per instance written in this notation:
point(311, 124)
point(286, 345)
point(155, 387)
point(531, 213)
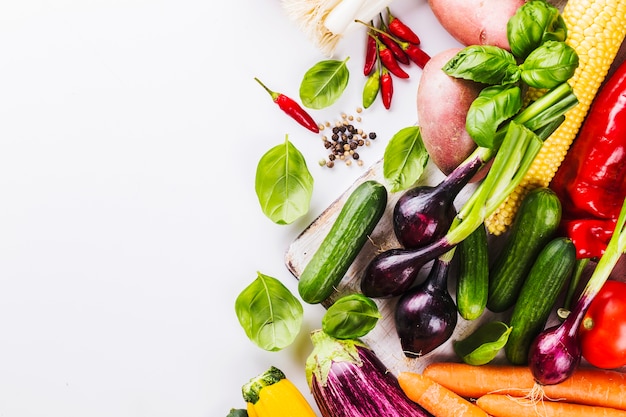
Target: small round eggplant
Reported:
point(421, 215)
point(426, 315)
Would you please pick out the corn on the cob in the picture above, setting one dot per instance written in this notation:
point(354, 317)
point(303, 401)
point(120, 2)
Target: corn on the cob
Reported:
point(596, 30)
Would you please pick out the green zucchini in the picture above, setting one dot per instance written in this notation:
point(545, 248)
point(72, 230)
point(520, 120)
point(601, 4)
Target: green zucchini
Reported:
point(545, 281)
point(535, 224)
point(472, 283)
point(357, 219)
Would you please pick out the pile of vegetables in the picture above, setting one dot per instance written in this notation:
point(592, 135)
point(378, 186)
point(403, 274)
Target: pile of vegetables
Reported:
point(553, 240)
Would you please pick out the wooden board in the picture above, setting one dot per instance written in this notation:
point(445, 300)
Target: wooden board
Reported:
point(383, 339)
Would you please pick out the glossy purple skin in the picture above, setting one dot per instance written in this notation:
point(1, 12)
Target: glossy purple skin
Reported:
point(425, 316)
point(369, 390)
point(555, 353)
point(393, 272)
point(423, 214)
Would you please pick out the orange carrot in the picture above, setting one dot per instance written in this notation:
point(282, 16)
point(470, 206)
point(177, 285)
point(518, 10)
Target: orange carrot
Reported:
point(590, 386)
point(435, 398)
point(498, 405)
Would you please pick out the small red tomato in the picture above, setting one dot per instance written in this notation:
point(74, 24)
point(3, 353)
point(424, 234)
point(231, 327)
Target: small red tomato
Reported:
point(603, 329)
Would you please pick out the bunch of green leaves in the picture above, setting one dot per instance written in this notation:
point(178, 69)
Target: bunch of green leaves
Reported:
point(284, 184)
point(539, 58)
point(269, 313)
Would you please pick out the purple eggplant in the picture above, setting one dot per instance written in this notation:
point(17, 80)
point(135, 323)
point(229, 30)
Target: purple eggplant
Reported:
point(425, 213)
point(394, 271)
point(426, 315)
point(348, 380)
point(421, 220)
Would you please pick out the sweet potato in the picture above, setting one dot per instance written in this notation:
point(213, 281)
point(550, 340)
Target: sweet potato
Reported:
point(476, 22)
point(442, 104)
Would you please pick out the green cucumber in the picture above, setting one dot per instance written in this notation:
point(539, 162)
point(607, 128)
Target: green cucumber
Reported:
point(535, 224)
point(545, 281)
point(357, 219)
point(472, 283)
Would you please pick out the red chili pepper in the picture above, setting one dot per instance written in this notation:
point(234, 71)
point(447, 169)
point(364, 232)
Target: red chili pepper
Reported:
point(397, 51)
point(386, 87)
point(389, 61)
point(591, 181)
point(401, 30)
point(292, 108)
point(390, 43)
point(370, 54)
point(417, 54)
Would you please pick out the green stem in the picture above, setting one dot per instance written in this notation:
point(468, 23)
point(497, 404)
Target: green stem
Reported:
point(580, 266)
point(516, 153)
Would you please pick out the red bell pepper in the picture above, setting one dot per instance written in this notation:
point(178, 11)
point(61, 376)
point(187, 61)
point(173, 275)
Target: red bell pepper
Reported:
point(591, 182)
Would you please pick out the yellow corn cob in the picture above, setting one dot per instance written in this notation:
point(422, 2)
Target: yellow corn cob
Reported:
point(596, 30)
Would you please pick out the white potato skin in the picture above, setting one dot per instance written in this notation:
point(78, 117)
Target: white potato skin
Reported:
point(442, 105)
point(476, 22)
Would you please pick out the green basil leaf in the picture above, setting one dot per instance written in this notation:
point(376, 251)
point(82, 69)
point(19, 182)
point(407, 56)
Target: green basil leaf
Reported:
point(238, 412)
point(483, 344)
point(350, 317)
point(405, 159)
point(534, 23)
point(283, 183)
point(269, 313)
point(324, 83)
point(485, 64)
point(494, 105)
point(549, 65)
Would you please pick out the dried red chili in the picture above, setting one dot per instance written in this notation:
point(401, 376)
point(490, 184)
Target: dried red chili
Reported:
point(292, 108)
point(386, 87)
point(397, 51)
point(591, 181)
point(401, 30)
point(390, 43)
point(389, 61)
point(370, 54)
point(417, 54)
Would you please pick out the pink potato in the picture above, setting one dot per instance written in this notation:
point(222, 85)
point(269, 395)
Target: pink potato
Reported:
point(476, 22)
point(442, 104)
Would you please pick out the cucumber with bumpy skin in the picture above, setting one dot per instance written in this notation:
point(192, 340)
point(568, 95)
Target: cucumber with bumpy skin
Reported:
point(357, 219)
point(535, 224)
point(473, 278)
point(545, 281)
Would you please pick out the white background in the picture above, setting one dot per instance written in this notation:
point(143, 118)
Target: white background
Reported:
point(130, 131)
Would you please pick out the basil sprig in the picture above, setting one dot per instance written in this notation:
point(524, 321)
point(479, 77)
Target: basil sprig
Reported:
point(551, 64)
point(534, 23)
point(539, 58)
point(485, 64)
point(494, 105)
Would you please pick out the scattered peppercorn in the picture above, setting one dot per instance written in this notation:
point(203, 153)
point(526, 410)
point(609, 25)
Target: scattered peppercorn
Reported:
point(344, 140)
